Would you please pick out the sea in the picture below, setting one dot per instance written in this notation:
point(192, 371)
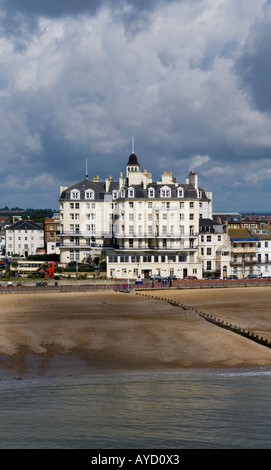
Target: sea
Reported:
point(188, 409)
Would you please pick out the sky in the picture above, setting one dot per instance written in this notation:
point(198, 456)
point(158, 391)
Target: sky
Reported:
point(188, 80)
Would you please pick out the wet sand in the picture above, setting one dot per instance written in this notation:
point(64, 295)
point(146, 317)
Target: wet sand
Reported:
point(64, 334)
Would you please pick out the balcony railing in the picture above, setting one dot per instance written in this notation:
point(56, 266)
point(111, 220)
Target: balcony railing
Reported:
point(125, 234)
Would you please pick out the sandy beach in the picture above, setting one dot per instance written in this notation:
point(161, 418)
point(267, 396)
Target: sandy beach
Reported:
point(64, 334)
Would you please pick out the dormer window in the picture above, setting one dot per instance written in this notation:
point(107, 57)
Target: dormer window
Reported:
point(89, 194)
point(165, 192)
point(151, 192)
point(131, 192)
point(75, 194)
point(180, 192)
point(122, 193)
point(115, 194)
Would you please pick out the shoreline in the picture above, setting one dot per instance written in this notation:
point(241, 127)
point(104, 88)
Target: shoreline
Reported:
point(102, 333)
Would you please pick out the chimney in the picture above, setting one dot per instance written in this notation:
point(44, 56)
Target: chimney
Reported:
point(107, 183)
point(193, 179)
point(96, 178)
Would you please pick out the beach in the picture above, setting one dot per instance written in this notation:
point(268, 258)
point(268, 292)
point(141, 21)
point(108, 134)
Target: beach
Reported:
point(77, 333)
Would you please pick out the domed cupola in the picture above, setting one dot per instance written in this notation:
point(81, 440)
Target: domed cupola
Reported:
point(133, 160)
point(132, 165)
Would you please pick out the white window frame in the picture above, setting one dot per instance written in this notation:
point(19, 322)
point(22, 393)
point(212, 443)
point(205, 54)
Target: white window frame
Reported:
point(131, 192)
point(165, 191)
point(151, 192)
point(89, 194)
point(75, 194)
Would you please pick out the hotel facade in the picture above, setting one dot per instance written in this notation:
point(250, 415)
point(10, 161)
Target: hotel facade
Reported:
point(140, 226)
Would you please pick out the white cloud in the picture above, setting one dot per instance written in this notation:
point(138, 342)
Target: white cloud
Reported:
point(199, 160)
point(85, 84)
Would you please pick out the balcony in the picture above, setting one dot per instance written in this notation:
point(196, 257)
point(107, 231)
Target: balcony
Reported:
point(154, 249)
point(88, 234)
point(241, 250)
point(82, 244)
point(241, 262)
point(156, 235)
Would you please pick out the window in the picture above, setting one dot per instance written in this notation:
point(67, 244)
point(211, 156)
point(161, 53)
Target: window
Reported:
point(191, 204)
point(71, 205)
point(75, 194)
point(165, 192)
point(209, 251)
point(131, 192)
point(77, 205)
point(113, 259)
point(209, 238)
point(180, 192)
point(89, 194)
point(191, 216)
point(151, 192)
point(209, 265)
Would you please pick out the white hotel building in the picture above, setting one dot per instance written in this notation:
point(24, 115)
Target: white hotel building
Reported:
point(139, 226)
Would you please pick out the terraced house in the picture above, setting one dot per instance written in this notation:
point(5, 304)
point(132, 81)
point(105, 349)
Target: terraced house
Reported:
point(140, 226)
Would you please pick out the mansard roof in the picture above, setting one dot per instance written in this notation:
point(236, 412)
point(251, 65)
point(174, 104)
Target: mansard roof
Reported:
point(141, 192)
point(97, 186)
point(25, 225)
point(133, 160)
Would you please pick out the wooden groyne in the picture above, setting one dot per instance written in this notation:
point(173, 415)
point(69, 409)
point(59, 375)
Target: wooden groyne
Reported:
point(217, 321)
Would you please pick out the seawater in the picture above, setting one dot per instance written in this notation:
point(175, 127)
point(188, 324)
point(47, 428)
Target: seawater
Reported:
point(188, 410)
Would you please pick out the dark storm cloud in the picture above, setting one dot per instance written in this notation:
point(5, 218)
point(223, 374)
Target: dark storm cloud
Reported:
point(254, 64)
point(79, 79)
point(51, 8)
point(57, 8)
